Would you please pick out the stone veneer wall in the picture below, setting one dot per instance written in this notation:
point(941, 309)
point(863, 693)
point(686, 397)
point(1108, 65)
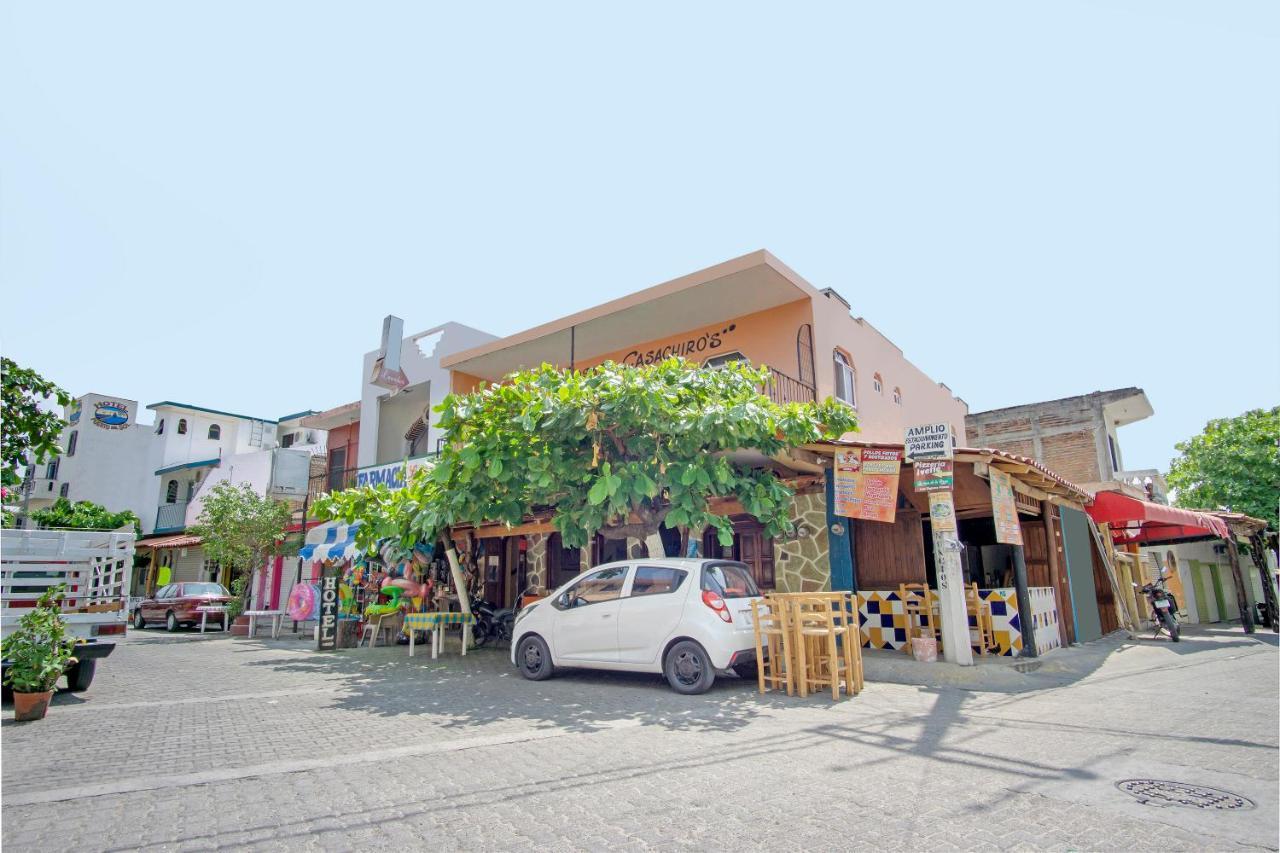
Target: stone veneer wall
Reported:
point(804, 565)
point(536, 560)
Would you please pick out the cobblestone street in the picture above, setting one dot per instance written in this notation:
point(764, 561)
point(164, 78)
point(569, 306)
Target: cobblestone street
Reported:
point(191, 742)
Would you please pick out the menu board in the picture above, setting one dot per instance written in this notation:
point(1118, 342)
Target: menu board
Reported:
point(866, 483)
point(942, 512)
point(1004, 508)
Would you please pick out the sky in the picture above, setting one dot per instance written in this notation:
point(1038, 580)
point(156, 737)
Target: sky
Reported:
point(217, 203)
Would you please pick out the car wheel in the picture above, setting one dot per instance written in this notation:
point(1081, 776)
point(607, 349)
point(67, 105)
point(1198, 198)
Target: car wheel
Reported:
point(749, 671)
point(80, 675)
point(688, 668)
point(534, 659)
point(171, 622)
point(138, 621)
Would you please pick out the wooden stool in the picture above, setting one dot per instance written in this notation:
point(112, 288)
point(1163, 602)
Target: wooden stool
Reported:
point(769, 618)
point(817, 653)
point(980, 612)
point(918, 605)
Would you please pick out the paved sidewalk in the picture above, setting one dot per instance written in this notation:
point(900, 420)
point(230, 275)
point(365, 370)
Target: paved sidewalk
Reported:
point(189, 742)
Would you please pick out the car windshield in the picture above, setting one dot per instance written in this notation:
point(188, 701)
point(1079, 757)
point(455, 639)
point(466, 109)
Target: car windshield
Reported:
point(204, 589)
point(729, 580)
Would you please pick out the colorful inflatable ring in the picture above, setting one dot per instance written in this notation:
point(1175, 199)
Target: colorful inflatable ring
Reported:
point(304, 602)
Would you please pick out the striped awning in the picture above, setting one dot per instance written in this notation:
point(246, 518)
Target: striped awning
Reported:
point(332, 540)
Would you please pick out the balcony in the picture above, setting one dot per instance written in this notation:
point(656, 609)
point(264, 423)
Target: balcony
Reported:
point(783, 389)
point(171, 518)
point(331, 481)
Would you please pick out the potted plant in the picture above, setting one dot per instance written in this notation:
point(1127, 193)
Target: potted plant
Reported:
point(36, 654)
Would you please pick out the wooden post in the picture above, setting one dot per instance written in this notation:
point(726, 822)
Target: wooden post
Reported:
point(1258, 551)
point(1024, 603)
point(1066, 616)
point(1237, 577)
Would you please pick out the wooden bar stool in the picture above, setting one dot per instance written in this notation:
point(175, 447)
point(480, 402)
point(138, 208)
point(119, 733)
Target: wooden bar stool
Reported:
point(847, 623)
point(817, 652)
point(922, 616)
point(980, 612)
point(772, 625)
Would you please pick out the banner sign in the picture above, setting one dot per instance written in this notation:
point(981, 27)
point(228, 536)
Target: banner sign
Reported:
point(934, 474)
point(866, 483)
point(1004, 508)
point(942, 512)
point(392, 475)
point(929, 441)
point(328, 636)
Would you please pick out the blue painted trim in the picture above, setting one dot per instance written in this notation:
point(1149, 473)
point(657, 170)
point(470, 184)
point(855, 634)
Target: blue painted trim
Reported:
point(839, 553)
point(204, 463)
point(188, 406)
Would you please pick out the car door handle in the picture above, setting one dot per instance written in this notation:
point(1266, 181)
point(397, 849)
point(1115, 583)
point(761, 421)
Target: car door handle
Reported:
point(606, 615)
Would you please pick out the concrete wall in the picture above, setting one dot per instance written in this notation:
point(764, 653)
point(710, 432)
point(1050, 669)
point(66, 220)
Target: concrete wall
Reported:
point(1208, 587)
point(251, 468)
point(110, 462)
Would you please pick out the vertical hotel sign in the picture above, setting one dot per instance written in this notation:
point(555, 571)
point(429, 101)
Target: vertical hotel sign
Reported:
point(327, 638)
point(1004, 508)
point(866, 483)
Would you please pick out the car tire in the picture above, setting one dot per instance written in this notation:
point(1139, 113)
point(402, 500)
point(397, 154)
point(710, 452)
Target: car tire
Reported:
point(171, 622)
point(534, 659)
point(80, 675)
point(138, 621)
point(748, 671)
point(688, 668)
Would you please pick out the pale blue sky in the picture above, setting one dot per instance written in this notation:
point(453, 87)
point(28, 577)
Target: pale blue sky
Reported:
point(218, 202)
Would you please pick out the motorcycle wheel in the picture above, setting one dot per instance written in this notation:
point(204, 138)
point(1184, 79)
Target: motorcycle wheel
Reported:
point(1170, 625)
point(480, 634)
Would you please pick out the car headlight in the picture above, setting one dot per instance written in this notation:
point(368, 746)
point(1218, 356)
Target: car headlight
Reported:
point(525, 611)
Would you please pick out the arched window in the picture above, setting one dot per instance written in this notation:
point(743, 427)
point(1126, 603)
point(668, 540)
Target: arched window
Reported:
point(182, 426)
point(877, 383)
point(846, 379)
point(215, 432)
point(71, 443)
point(897, 395)
point(160, 427)
point(722, 360)
point(171, 492)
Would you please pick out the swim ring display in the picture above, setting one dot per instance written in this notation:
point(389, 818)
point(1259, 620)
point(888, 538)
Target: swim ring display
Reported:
point(304, 602)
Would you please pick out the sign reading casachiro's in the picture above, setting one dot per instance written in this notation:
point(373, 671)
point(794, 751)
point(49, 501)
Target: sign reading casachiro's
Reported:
point(689, 348)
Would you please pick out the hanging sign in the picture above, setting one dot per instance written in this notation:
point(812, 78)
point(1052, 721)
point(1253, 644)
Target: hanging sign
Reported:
point(1004, 508)
point(934, 474)
point(328, 638)
point(928, 441)
point(866, 483)
point(942, 512)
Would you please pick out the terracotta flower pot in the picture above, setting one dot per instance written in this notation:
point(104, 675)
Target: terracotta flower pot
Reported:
point(30, 706)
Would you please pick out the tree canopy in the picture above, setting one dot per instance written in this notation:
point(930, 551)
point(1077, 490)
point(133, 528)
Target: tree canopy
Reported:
point(1233, 465)
point(614, 449)
point(27, 430)
point(240, 528)
point(85, 515)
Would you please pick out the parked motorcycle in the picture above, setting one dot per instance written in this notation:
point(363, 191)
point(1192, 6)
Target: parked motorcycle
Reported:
point(492, 623)
point(1164, 608)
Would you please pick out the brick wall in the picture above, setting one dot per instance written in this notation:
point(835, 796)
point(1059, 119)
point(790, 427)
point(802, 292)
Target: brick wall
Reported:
point(1064, 435)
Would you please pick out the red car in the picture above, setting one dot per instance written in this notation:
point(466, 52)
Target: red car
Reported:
point(178, 603)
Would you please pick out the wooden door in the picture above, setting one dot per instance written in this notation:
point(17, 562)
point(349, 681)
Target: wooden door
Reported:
point(494, 556)
point(756, 550)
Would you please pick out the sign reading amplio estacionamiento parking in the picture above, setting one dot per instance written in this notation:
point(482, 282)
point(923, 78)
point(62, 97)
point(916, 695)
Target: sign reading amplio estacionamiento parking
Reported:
point(928, 441)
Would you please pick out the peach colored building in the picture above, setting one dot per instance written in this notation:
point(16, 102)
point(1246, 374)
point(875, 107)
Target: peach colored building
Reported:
point(753, 307)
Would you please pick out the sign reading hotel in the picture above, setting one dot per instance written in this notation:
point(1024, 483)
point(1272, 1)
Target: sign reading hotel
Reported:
point(866, 483)
point(929, 441)
point(1004, 508)
point(327, 637)
point(934, 475)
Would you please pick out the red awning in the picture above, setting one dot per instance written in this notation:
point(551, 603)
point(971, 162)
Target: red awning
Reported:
point(181, 540)
point(1137, 521)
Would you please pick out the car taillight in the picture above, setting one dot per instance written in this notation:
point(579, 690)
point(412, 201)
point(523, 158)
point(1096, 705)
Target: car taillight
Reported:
point(716, 603)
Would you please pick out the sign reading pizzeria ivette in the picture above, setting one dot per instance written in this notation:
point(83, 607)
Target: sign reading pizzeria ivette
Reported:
point(934, 475)
point(1004, 508)
point(866, 483)
point(928, 441)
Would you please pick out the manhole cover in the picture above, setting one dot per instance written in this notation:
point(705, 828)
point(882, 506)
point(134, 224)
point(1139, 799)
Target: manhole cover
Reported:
point(1159, 792)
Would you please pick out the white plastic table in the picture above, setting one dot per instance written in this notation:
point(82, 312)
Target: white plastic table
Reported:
point(204, 616)
point(276, 617)
point(435, 623)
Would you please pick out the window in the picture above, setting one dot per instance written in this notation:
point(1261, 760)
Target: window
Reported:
point(51, 470)
point(656, 580)
point(64, 490)
point(845, 379)
point(562, 563)
point(595, 588)
point(722, 360)
point(182, 426)
point(897, 396)
point(877, 383)
point(191, 490)
point(215, 432)
point(160, 427)
point(204, 588)
point(171, 492)
point(286, 440)
point(71, 443)
point(730, 580)
point(164, 591)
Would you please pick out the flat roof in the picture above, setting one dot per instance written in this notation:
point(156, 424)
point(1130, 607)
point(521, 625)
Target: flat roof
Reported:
point(1114, 396)
point(296, 415)
point(171, 404)
point(744, 285)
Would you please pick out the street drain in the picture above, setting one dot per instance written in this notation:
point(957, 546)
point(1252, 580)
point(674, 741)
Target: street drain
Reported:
point(1159, 792)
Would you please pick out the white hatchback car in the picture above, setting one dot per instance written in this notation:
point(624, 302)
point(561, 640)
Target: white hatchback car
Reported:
point(684, 618)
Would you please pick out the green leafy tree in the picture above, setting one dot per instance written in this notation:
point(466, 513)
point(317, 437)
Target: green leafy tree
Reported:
point(240, 528)
point(27, 430)
point(615, 449)
point(1233, 465)
point(85, 515)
